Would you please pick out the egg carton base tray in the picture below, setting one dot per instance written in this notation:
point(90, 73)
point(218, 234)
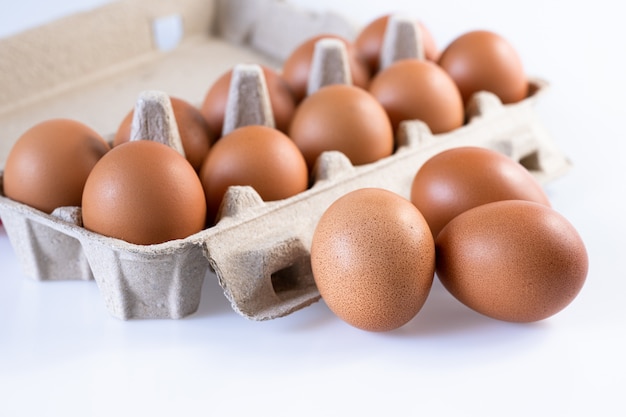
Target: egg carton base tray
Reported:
point(259, 250)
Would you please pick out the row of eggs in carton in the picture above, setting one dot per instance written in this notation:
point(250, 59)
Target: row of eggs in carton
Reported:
point(259, 247)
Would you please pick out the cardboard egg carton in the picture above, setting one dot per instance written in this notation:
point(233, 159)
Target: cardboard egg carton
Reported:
point(259, 251)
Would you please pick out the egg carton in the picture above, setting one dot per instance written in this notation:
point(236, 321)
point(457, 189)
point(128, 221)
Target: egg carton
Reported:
point(259, 251)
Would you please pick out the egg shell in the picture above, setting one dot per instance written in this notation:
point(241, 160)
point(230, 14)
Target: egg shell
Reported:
point(459, 179)
point(144, 193)
point(195, 134)
point(49, 164)
point(369, 42)
point(297, 67)
point(258, 156)
point(343, 118)
point(484, 61)
point(412, 89)
point(281, 98)
point(373, 259)
point(512, 260)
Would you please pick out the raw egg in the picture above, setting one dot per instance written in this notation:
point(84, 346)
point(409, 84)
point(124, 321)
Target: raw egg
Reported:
point(370, 39)
point(373, 259)
point(512, 260)
point(458, 179)
point(417, 89)
point(281, 100)
point(297, 66)
point(194, 131)
point(49, 164)
point(258, 156)
point(343, 118)
point(484, 61)
point(145, 193)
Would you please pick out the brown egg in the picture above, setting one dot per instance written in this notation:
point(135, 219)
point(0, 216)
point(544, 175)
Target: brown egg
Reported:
point(145, 193)
point(281, 100)
point(484, 61)
point(373, 259)
point(258, 156)
point(297, 66)
point(343, 118)
point(416, 89)
point(512, 260)
point(459, 179)
point(49, 164)
point(370, 39)
point(194, 131)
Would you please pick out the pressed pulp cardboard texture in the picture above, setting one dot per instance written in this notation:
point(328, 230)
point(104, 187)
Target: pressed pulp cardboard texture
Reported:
point(258, 250)
point(42, 60)
point(91, 66)
point(85, 66)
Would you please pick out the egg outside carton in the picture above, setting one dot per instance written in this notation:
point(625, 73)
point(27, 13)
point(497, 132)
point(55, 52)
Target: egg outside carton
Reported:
point(258, 250)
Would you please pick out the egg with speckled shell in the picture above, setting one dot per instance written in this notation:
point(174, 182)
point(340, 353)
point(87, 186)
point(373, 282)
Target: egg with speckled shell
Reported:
point(373, 257)
point(464, 177)
point(513, 260)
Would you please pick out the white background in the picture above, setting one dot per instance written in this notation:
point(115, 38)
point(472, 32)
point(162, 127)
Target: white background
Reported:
point(62, 354)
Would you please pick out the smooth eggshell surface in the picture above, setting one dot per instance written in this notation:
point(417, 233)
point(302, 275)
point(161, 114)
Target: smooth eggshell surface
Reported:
point(373, 259)
point(459, 179)
point(342, 118)
point(417, 89)
point(257, 156)
point(297, 66)
point(513, 260)
point(49, 164)
point(145, 193)
point(195, 134)
point(484, 61)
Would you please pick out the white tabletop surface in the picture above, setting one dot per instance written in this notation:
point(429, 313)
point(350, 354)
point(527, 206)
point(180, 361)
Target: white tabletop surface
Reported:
point(61, 353)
